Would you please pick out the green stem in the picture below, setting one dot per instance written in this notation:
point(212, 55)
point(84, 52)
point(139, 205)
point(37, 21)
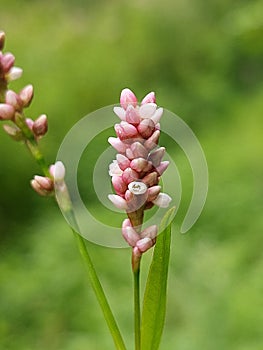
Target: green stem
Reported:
point(96, 285)
point(137, 308)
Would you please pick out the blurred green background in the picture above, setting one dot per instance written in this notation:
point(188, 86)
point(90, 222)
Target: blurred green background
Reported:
point(204, 61)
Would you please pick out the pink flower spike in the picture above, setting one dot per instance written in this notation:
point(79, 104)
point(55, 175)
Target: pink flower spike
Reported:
point(26, 95)
point(157, 115)
point(117, 144)
point(120, 112)
point(144, 244)
point(162, 167)
point(7, 112)
point(149, 98)
point(14, 73)
point(147, 110)
point(40, 125)
point(7, 62)
point(127, 98)
point(123, 161)
point(118, 184)
point(118, 201)
point(131, 115)
point(163, 200)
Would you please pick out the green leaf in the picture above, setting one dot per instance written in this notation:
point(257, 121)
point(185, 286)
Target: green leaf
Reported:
point(154, 303)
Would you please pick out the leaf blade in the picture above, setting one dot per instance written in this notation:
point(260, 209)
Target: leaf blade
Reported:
point(154, 303)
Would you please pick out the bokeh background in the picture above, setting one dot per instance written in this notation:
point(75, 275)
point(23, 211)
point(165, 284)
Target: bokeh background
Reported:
point(204, 60)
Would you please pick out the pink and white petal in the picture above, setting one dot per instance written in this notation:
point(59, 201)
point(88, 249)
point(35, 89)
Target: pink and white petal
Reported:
point(147, 110)
point(157, 115)
point(114, 169)
point(162, 200)
point(120, 112)
point(118, 201)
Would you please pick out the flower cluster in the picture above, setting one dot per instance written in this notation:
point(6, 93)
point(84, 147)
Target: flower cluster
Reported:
point(24, 129)
point(138, 166)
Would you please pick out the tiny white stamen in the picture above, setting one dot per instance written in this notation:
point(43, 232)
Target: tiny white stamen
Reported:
point(137, 187)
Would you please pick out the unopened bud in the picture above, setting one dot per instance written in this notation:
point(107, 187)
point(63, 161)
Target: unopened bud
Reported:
point(140, 164)
point(127, 98)
point(147, 110)
point(7, 62)
point(26, 95)
point(14, 73)
point(11, 98)
point(125, 130)
point(153, 193)
point(118, 201)
point(7, 112)
point(2, 40)
point(162, 200)
point(58, 171)
point(149, 98)
point(123, 161)
point(119, 185)
point(156, 156)
point(152, 141)
point(14, 132)
point(146, 128)
point(139, 150)
point(117, 144)
point(42, 185)
point(151, 179)
point(40, 125)
point(132, 116)
point(129, 175)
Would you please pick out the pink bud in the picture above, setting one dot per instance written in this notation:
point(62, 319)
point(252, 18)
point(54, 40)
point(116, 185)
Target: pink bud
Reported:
point(119, 185)
point(146, 128)
point(151, 179)
point(45, 182)
point(162, 167)
point(139, 150)
point(58, 171)
point(163, 200)
point(7, 62)
point(129, 175)
point(150, 232)
point(40, 125)
point(129, 234)
point(14, 132)
point(117, 144)
point(2, 40)
point(152, 141)
point(153, 193)
point(14, 73)
point(149, 98)
point(114, 168)
point(127, 98)
point(132, 115)
point(144, 244)
point(123, 161)
point(120, 112)
point(13, 99)
point(118, 201)
point(140, 164)
point(157, 115)
point(125, 130)
point(26, 95)
point(147, 110)
point(7, 111)
point(29, 123)
point(156, 156)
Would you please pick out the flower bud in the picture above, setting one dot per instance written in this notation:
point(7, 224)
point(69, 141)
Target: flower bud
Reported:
point(26, 95)
point(58, 171)
point(129, 233)
point(7, 62)
point(118, 201)
point(153, 193)
point(146, 128)
point(127, 98)
point(125, 130)
point(147, 110)
point(150, 232)
point(117, 144)
point(14, 132)
point(13, 74)
point(162, 167)
point(139, 150)
point(129, 175)
point(145, 244)
point(7, 111)
point(2, 40)
point(157, 116)
point(30, 123)
point(119, 185)
point(11, 98)
point(114, 168)
point(120, 112)
point(156, 156)
point(163, 200)
point(40, 125)
point(140, 164)
point(151, 179)
point(42, 185)
point(132, 115)
point(152, 141)
point(123, 161)
point(149, 98)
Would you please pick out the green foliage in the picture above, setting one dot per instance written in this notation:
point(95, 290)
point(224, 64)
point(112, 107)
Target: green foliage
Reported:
point(204, 60)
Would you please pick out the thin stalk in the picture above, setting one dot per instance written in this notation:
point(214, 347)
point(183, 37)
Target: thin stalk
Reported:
point(137, 309)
